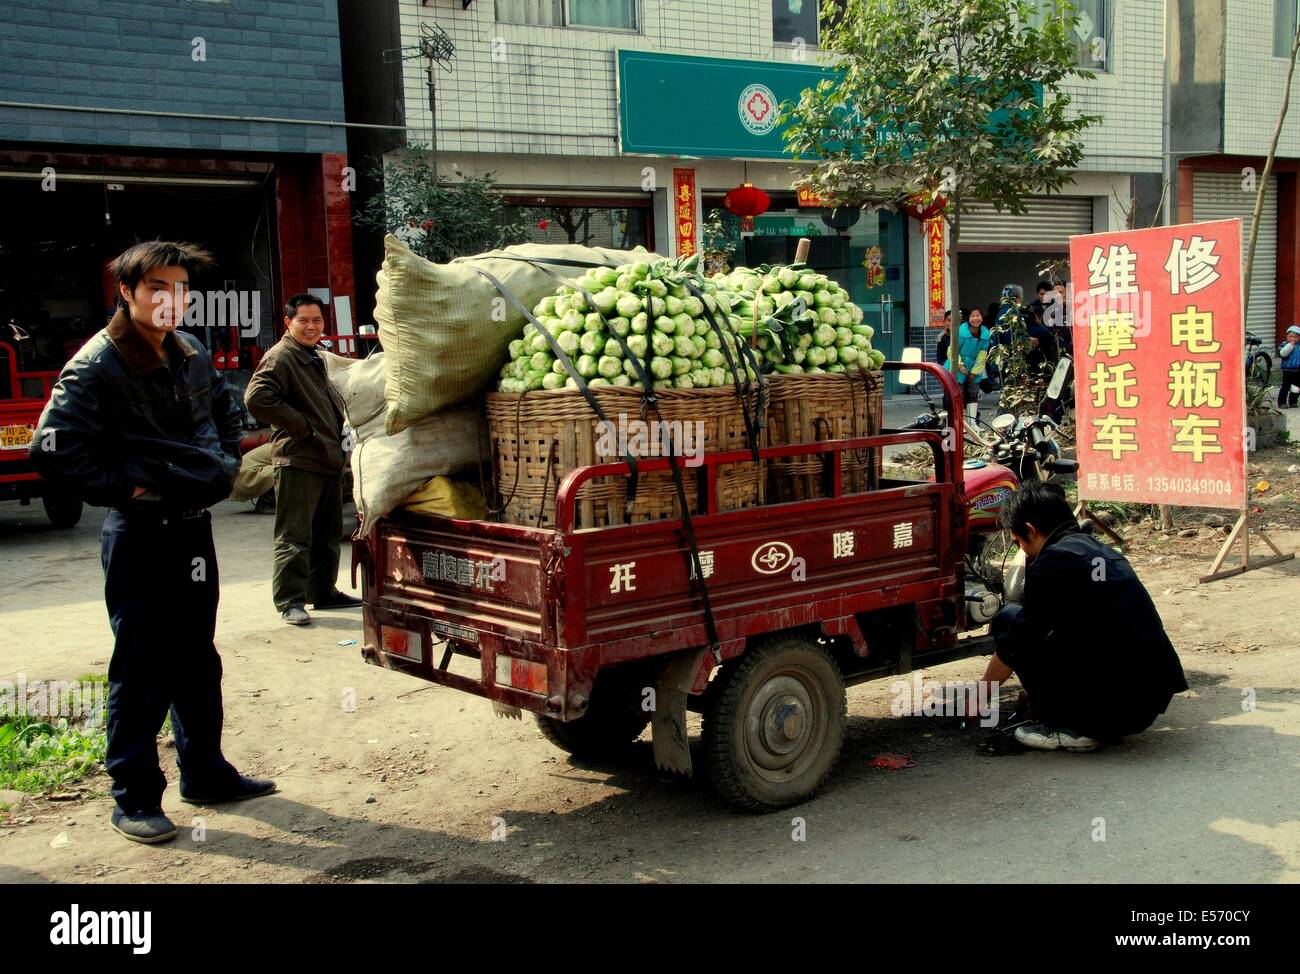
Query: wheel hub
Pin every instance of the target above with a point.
(784, 722)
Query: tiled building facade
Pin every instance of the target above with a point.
(216, 121)
(535, 96)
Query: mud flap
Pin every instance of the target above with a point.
(507, 710)
(668, 724)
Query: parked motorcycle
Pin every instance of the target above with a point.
(1012, 449)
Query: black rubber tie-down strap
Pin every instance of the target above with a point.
(647, 382)
(633, 472)
(697, 569)
(648, 399)
(760, 409)
(558, 261)
(742, 389)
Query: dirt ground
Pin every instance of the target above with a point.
(412, 785)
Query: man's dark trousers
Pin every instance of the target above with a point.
(161, 588)
(308, 525)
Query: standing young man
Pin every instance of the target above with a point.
(290, 391)
(141, 423)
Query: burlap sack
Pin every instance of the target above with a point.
(443, 327)
(386, 469)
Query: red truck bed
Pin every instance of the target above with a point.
(578, 601)
(602, 631)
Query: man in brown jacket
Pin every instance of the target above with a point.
(290, 391)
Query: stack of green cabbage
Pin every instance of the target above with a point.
(806, 323)
(646, 304)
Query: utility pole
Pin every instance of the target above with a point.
(436, 48)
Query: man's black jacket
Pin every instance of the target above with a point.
(120, 417)
(1084, 604)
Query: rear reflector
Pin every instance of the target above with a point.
(402, 642)
(521, 674)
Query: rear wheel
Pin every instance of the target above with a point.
(63, 510)
(775, 723)
(614, 719)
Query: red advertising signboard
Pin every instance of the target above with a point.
(1159, 368)
(684, 211)
(934, 260)
(808, 197)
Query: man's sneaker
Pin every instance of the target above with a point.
(1045, 738)
(147, 827)
(295, 615)
(339, 600)
(234, 791)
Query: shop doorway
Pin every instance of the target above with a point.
(55, 246)
(869, 260)
(616, 224)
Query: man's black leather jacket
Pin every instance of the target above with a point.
(121, 418)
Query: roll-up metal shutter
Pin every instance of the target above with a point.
(1048, 225)
(1220, 196)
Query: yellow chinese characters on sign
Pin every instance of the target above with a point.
(1160, 392)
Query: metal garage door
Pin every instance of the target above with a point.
(1048, 225)
(1219, 196)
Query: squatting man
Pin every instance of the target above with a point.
(1085, 619)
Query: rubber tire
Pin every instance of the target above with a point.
(729, 764)
(613, 721)
(62, 510)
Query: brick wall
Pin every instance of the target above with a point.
(263, 58)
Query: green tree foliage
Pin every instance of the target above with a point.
(960, 98)
(440, 221)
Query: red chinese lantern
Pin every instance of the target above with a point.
(922, 207)
(746, 201)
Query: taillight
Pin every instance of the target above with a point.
(521, 674)
(401, 642)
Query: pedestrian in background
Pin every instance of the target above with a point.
(969, 361)
(291, 392)
(141, 423)
(941, 346)
(1288, 394)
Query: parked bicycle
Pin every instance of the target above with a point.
(1259, 364)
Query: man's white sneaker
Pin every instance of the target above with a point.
(1045, 738)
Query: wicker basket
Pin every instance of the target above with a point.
(540, 436)
(812, 408)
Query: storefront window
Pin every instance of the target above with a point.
(867, 259)
(619, 227)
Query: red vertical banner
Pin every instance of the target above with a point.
(934, 267)
(684, 205)
(1159, 369)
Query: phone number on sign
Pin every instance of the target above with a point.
(1189, 485)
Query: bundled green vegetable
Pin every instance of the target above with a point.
(650, 307)
(805, 322)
